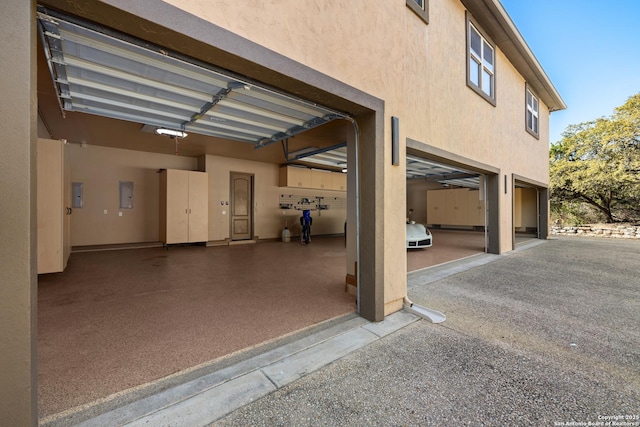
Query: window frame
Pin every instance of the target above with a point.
(484, 39)
(527, 91)
(422, 12)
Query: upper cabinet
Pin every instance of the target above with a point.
(339, 181)
(297, 177)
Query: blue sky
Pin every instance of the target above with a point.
(590, 50)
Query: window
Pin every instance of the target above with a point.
(531, 113)
(420, 8)
(481, 64)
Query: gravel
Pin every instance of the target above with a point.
(542, 336)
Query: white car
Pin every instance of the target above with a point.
(418, 236)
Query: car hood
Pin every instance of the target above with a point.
(417, 230)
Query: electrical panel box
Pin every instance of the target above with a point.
(126, 195)
(76, 195)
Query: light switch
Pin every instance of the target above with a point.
(119, 213)
(224, 212)
(105, 211)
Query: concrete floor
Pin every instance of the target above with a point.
(117, 319)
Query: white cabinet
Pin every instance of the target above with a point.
(476, 208)
(459, 206)
(53, 209)
(184, 206)
(437, 203)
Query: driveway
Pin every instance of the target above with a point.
(544, 336)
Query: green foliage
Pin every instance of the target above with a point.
(598, 163)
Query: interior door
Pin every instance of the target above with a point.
(241, 206)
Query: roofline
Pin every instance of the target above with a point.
(496, 22)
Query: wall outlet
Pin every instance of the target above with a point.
(105, 211)
(119, 213)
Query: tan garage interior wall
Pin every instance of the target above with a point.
(269, 219)
(100, 169)
(525, 209)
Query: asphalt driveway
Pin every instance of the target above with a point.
(544, 336)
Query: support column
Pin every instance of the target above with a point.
(371, 202)
(493, 196)
(352, 220)
(18, 289)
(543, 212)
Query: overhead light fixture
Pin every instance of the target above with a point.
(171, 132)
(344, 170)
(238, 85)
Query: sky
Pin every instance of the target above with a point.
(590, 49)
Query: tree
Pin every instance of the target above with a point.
(598, 163)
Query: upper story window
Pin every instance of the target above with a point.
(481, 75)
(420, 8)
(531, 113)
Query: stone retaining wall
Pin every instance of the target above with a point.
(619, 231)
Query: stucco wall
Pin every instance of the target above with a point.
(419, 71)
(18, 256)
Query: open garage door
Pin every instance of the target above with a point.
(129, 109)
(451, 201)
(529, 211)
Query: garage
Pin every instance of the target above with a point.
(129, 311)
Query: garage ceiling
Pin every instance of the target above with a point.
(98, 71)
(417, 167)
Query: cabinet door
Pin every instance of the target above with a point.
(339, 181)
(177, 206)
(460, 205)
(298, 177)
(436, 207)
(50, 215)
(198, 207)
(321, 180)
(66, 227)
(476, 209)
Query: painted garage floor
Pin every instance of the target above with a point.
(115, 320)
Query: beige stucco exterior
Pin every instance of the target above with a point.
(419, 71)
(371, 60)
(18, 255)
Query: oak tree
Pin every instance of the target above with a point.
(598, 163)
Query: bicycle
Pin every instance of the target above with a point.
(305, 223)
